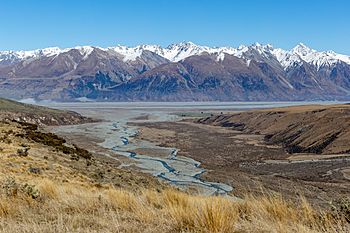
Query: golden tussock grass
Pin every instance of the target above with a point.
(66, 207)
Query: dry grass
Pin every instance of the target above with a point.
(65, 207)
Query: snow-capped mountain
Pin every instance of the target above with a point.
(173, 53)
(180, 51)
(302, 53)
(10, 57)
(183, 71)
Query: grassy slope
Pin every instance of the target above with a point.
(87, 195)
(13, 106)
(10, 109)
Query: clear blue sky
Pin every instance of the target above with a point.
(31, 24)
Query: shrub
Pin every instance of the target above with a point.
(35, 170)
(10, 187)
(30, 190)
(22, 152)
(50, 139)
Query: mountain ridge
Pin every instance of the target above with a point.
(175, 52)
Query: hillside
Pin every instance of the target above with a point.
(13, 110)
(302, 129)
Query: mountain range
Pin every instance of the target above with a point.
(179, 72)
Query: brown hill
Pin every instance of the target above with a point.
(303, 129)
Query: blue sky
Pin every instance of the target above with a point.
(31, 24)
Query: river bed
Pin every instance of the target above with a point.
(118, 136)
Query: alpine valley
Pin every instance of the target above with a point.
(179, 72)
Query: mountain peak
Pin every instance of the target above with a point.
(256, 44)
(302, 49)
(183, 44)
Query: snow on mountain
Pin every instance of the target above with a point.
(177, 52)
(261, 49)
(12, 56)
(84, 50)
(287, 59)
(255, 51)
(319, 59)
(128, 53)
(174, 52)
(46, 52)
(302, 53)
